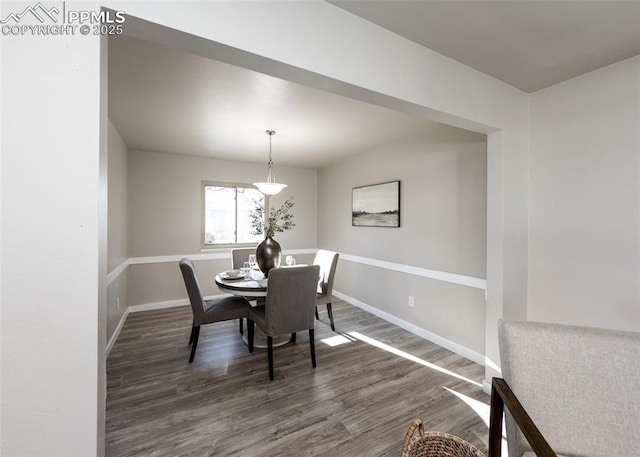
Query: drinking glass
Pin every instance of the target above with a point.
(290, 260)
(246, 267)
(252, 260)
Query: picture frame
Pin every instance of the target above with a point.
(376, 205)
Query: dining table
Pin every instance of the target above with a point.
(252, 284)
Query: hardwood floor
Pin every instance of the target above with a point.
(359, 401)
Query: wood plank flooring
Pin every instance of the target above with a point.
(359, 401)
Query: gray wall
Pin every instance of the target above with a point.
(443, 227)
(117, 251)
(165, 220)
(584, 232)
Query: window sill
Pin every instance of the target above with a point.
(225, 247)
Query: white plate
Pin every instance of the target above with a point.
(233, 274)
(227, 278)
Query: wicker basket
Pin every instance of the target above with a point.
(435, 444)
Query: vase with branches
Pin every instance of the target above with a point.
(269, 252)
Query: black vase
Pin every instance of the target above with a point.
(268, 255)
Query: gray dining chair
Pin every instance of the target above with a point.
(212, 310)
(241, 255)
(238, 257)
(328, 262)
(289, 306)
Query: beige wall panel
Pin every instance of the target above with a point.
(449, 310)
(165, 201)
(161, 282)
(443, 206)
(117, 195)
(117, 289)
(117, 231)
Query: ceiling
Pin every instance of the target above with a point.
(527, 44)
(165, 100)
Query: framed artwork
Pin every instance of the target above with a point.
(377, 205)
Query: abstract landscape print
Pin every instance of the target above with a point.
(377, 205)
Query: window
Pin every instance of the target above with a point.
(226, 213)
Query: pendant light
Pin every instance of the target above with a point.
(271, 187)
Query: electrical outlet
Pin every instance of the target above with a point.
(117, 302)
(412, 302)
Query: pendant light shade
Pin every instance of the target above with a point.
(270, 187)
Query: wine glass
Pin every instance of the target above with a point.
(290, 261)
(246, 267)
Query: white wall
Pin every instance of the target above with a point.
(52, 348)
(585, 200)
(443, 228)
(164, 194)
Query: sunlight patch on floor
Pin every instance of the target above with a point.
(483, 411)
(336, 340)
(410, 357)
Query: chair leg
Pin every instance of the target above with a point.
(250, 331)
(293, 338)
(317, 317)
(312, 346)
(193, 331)
(194, 345)
(270, 356)
(330, 313)
(241, 326)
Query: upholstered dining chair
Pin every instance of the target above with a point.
(241, 255)
(209, 311)
(238, 257)
(579, 385)
(328, 262)
(289, 306)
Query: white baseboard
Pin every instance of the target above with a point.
(436, 339)
(167, 304)
(116, 333)
(158, 305)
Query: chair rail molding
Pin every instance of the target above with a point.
(455, 278)
(219, 254)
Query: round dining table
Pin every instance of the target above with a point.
(254, 285)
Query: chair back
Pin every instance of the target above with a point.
(328, 262)
(193, 288)
(291, 299)
(580, 385)
(240, 256)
